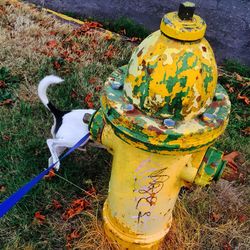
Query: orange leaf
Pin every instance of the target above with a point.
(242, 218)
(52, 44)
(216, 217)
(92, 80)
(76, 207)
(244, 98)
(74, 235)
(110, 52)
(98, 88)
(226, 246)
(50, 175)
(230, 89)
(68, 246)
(57, 65)
(39, 216)
(56, 204)
(230, 160)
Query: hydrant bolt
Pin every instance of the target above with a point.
(116, 85)
(169, 123)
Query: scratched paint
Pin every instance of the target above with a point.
(165, 79)
(170, 79)
(148, 133)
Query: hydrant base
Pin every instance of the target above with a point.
(128, 240)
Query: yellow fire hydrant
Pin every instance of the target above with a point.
(159, 116)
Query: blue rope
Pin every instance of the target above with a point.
(14, 198)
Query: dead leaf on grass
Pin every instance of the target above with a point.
(6, 102)
(230, 160)
(216, 217)
(238, 77)
(244, 98)
(39, 217)
(230, 89)
(50, 175)
(6, 137)
(2, 84)
(52, 44)
(76, 207)
(56, 204)
(246, 131)
(74, 235)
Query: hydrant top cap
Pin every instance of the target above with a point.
(183, 25)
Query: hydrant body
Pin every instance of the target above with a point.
(159, 116)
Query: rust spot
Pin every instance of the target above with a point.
(198, 98)
(139, 53)
(205, 159)
(158, 131)
(197, 78)
(204, 48)
(149, 70)
(134, 112)
(143, 63)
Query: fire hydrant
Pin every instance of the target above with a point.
(159, 115)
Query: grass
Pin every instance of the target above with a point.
(34, 45)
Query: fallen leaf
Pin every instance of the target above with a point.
(87, 100)
(6, 102)
(110, 52)
(52, 44)
(238, 77)
(56, 65)
(226, 246)
(2, 188)
(246, 131)
(74, 235)
(76, 207)
(230, 160)
(215, 217)
(244, 98)
(230, 89)
(2, 84)
(98, 88)
(93, 80)
(39, 217)
(242, 218)
(68, 246)
(6, 137)
(73, 94)
(50, 175)
(56, 204)
(134, 39)
(91, 191)
(53, 33)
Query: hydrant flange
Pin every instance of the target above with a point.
(149, 133)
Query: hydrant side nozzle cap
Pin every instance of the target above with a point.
(183, 25)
